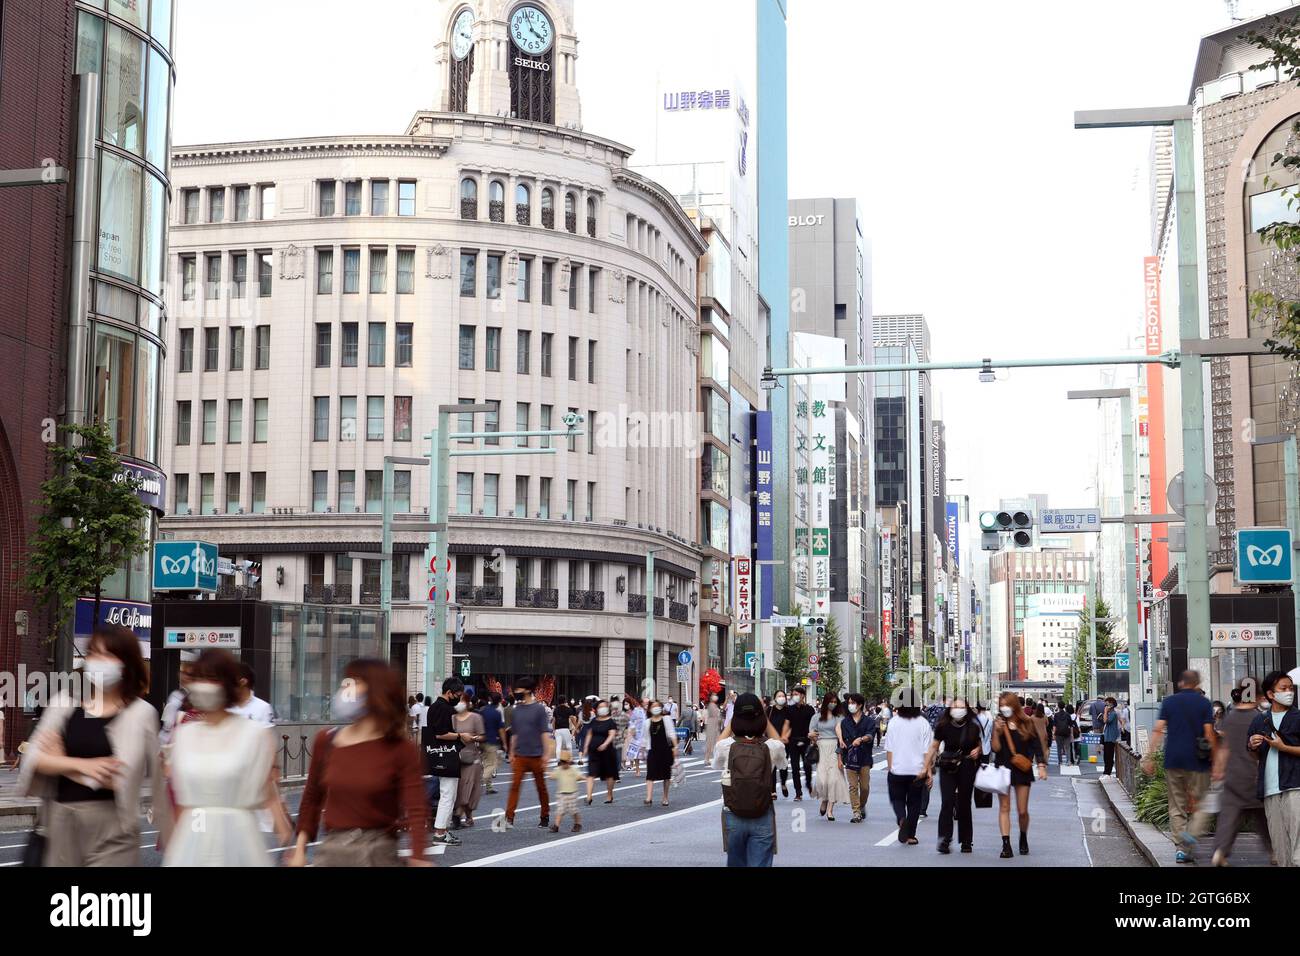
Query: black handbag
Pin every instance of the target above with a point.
(949, 760)
(983, 798)
(811, 753)
(34, 855)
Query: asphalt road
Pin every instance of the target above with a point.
(1070, 826)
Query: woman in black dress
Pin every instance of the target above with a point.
(661, 750)
(599, 748)
(1014, 734)
(958, 733)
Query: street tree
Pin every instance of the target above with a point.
(830, 663)
(792, 658)
(92, 522)
(1108, 642)
(875, 670)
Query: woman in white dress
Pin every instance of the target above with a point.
(222, 771)
(832, 788)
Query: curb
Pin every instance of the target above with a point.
(1150, 841)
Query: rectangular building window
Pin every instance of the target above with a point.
(259, 492)
(319, 492)
(374, 492)
(521, 496)
(347, 492)
(261, 420)
(494, 277)
(181, 503)
(573, 358)
(186, 359)
(467, 346)
(401, 418)
(548, 283)
(351, 344)
(324, 341)
(573, 439)
(267, 205)
(593, 283)
(189, 277)
(591, 504)
(591, 361)
(377, 345)
(236, 350)
(523, 345)
(347, 418)
(234, 421)
(523, 411)
(351, 271)
(464, 492)
(191, 205)
(352, 198)
(575, 276)
(207, 494)
(320, 429)
(491, 484)
(232, 492)
(379, 197)
(263, 274)
(546, 354)
(375, 418)
(544, 497)
(546, 425)
(590, 428)
(324, 271)
(217, 205)
(468, 273)
(492, 421)
(242, 203)
(571, 500)
(465, 420)
(378, 271)
(183, 416)
(211, 349)
(212, 277)
(492, 356)
(401, 503)
(263, 349)
(238, 274)
(404, 345)
(406, 198)
(525, 272)
(327, 190)
(405, 271)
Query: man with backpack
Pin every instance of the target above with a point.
(1063, 730)
(747, 758)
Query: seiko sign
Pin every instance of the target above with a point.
(807, 220)
(532, 64)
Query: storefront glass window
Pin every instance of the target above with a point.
(155, 148)
(123, 119)
(114, 381)
(119, 217)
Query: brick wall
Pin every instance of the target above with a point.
(37, 120)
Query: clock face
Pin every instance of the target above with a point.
(531, 30)
(462, 38)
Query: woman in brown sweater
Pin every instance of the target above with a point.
(365, 779)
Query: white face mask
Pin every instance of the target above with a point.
(602, 711)
(853, 708)
(780, 702)
(656, 711)
(1284, 697)
(103, 674)
(348, 707)
(958, 713)
(1005, 711)
(797, 699)
(462, 707)
(207, 696)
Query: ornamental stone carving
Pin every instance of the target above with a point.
(438, 265)
(617, 286)
(512, 267)
(566, 266)
(291, 262)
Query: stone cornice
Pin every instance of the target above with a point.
(264, 151)
(626, 177)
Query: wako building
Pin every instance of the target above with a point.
(333, 292)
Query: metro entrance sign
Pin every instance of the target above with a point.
(1264, 556)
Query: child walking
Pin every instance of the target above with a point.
(565, 776)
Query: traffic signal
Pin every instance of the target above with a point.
(1018, 524)
(815, 626)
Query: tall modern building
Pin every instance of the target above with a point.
(1015, 577)
(335, 291)
(82, 318)
(830, 282)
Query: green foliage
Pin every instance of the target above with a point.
(91, 522)
(875, 671)
(1268, 305)
(792, 658)
(830, 660)
(1152, 798)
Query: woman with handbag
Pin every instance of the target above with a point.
(469, 725)
(365, 779)
(958, 732)
(601, 752)
(660, 745)
(1016, 748)
(832, 788)
(87, 760)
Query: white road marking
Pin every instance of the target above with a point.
(892, 838)
(590, 835)
(1069, 772)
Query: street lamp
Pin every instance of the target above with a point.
(650, 621)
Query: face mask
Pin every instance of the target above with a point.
(1284, 697)
(519, 698)
(656, 711)
(853, 708)
(207, 696)
(958, 713)
(103, 674)
(602, 711)
(462, 707)
(1264, 705)
(780, 702)
(1005, 711)
(348, 707)
(797, 699)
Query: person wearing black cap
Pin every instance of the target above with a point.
(747, 754)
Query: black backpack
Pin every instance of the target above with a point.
(749, 767)
(1062, 722)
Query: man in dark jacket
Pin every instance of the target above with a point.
(442, 756)
(1275, 739)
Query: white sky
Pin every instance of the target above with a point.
(949, 121)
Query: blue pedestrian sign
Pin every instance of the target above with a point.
(1264, 556)
(184, 566)
(1121, 662)
(684, 658)
(750, 658)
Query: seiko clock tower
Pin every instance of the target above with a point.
(514, 58)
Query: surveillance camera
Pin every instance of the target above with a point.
(572, 420)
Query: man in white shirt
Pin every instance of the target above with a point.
(673, 712)
(247, 704)
(907, 741)
(171, 714)
(416, 714)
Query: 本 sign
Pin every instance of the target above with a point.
(1069, 520)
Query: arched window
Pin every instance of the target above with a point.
(468, 198)
(571, 212)
(548, 208)
(523, 205)
(591, 216)
(496, 201)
